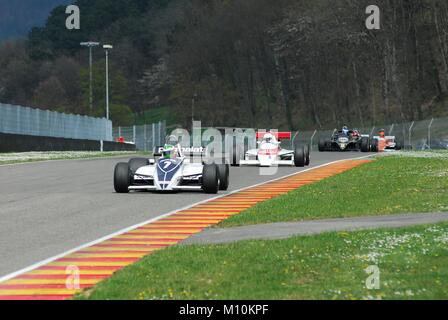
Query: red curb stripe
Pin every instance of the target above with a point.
(97, 260)
(38, 286)
(133, 245)
(81, 268)
(60, 276)
(143, 240)
(137, 238)
(111, 251)
(36, 297)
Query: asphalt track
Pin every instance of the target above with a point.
(51, 207)
(284, 230)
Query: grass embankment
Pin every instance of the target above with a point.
(413, 264)
(389, 185)
(13, 158)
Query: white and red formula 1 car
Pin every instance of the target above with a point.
(270, 153)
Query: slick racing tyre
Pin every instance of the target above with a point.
(307, 155)
(224, 172)
(137, 163)
(322, 145)
(236, 156)
(122, 178)
(398, 145)
(365, 144)
(374, 145)
(210, 179)
(299, 156)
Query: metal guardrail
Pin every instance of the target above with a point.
(145, 137)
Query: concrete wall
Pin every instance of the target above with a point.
(25, 143)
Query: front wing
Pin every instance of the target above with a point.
(155, 188)
(275, 163)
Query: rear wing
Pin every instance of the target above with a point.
(278, 135)
(386, 137)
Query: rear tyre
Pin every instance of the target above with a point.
(398, 146)
(122, 178)
(322, 145)
(299, 156)
(307, 155)
(365, 144)
(236, 156)
(374, 145)
(137, 163)
(210, 179)
(224, 172)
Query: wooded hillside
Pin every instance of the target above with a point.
(284, 64)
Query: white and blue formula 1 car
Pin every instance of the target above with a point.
(270, 153)
(173, 171)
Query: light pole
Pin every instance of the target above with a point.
(193, 102)
(106, 48)
(90, 45)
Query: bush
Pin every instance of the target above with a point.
(121, 115)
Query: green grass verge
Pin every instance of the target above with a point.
(27, 157)
(413, 264)
(388, 185)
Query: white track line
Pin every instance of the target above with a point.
(118, 233)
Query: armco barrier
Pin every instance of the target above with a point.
(145, 137)
(24, 143)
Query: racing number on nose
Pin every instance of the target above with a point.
(167, 165)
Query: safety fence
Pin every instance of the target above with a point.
(145, 137)
(416, 135)
(35, 122)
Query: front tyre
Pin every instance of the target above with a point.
(122, 178)
(299, 156)
(137, 163)
(224, 173)
(365, 144)
(210, 179)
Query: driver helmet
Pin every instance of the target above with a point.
(382, 133)
(269, 138)
(172, 140)
(170, 148)
(345, 130)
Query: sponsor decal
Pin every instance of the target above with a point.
(268, 152)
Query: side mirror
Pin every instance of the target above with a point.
(158, 151)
